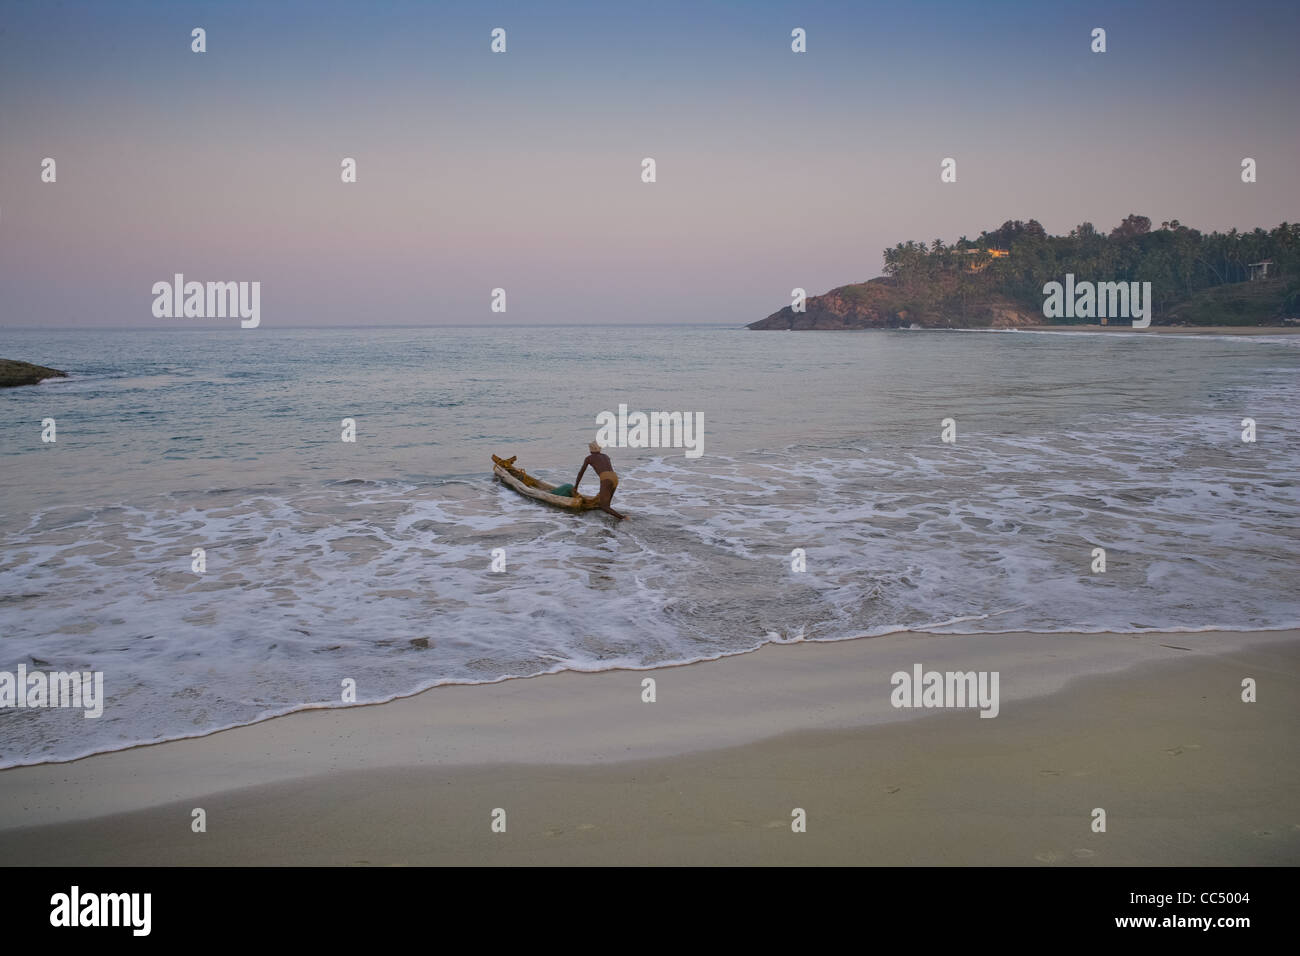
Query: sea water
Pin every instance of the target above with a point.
(329, 561)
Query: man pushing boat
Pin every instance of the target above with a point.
(604, 468)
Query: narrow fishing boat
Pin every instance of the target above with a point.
(524, 483)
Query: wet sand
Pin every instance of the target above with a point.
(1150, 728)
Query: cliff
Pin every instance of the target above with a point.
(885, 304)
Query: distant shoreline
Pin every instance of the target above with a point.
(1172, 329)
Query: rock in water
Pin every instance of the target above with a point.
(14, 373)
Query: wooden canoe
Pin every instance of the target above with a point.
(524, 483)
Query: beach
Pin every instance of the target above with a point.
(1149, 727)
(392, 479)
(1100, 536)
(1172, 329)
(398, 561)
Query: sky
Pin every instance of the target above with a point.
(522, 170)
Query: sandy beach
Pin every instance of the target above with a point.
(1173, 329)
(1151, 728)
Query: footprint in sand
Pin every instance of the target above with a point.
(1048, 856)
(892, 789)
(1082, 854)
(1174, 751)
(1049, 773)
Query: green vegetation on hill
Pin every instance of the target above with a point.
(1178, 261)
(1263, 302)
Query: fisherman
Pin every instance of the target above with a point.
(602, 466)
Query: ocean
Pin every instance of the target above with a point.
(371, 561)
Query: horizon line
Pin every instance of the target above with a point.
(454, 325)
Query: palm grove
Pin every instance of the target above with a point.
(1196, 278)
